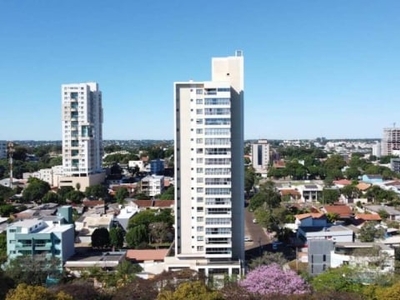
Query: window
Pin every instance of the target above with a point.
(200, 248)
(199, 160)
(200, 190)
(217, 101)
(199, 170)
(199, 91)
(199, 101)
(200, 228)
(199, 131)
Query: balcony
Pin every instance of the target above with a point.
(23, 246)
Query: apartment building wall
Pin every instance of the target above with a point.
(209, 172)
(82, 118)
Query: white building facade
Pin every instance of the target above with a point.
(152, 185)
(390, 141)
(260, 156)
(209, 172)
(82, 133)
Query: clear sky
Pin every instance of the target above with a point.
(312, 68)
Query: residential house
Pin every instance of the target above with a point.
(363, 187)
(342, 211)
(374, 257)
(310, 192)
(151, 260)
(394, 214)
(152, 185)
(311, 220)
(335, 233)
(372, 178)
(360, 219)
(342, 183)
(86, 224)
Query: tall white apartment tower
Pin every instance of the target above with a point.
(260, 156)
(209, 168)
(390, 141)
(82, 133)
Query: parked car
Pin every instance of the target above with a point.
(247, 239)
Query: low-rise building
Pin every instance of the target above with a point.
(152, 185)
(394, 214)
(48, 238)
(373, 256)
(86, 224)
(372, 178)
(335, 233)
(310, 192)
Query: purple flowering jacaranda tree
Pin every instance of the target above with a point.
(273, 280)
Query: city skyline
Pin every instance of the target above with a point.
(312, 69)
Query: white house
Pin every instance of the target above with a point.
(372, 256)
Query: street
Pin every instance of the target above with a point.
(260, 241)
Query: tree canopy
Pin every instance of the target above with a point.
(100, 238)
(35, 190)
(272, 280)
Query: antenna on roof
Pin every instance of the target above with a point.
(394, 125)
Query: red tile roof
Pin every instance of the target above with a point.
(342, 182)
(143, 203)
(92, 203)
(362, 186)
(368, 217)
(343, 211)
(291, 192)
(308, 215)
(163, 203)
(147, 254)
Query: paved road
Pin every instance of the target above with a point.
(256, 233)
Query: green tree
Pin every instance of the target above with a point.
(100, 238)
(266, 219)
(121, 194)
(29, 292)
(32, 270)
(116, 237)
(52, 197)
(35, 190)
(350, 191)
(5, 193)
(268, 258)
(168, 194)
(3, 247)
(192, 290)
(383, 214)
(330, 195)
(7, 209)
(369, 232)
(63, 191)
(352, 173)
(75, 196)
(159, 232)
(249, 179)
(338, 279)
(96, 191)
(137, 235)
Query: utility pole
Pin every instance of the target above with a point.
(10, 150)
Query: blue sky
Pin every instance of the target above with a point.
(312, 68)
